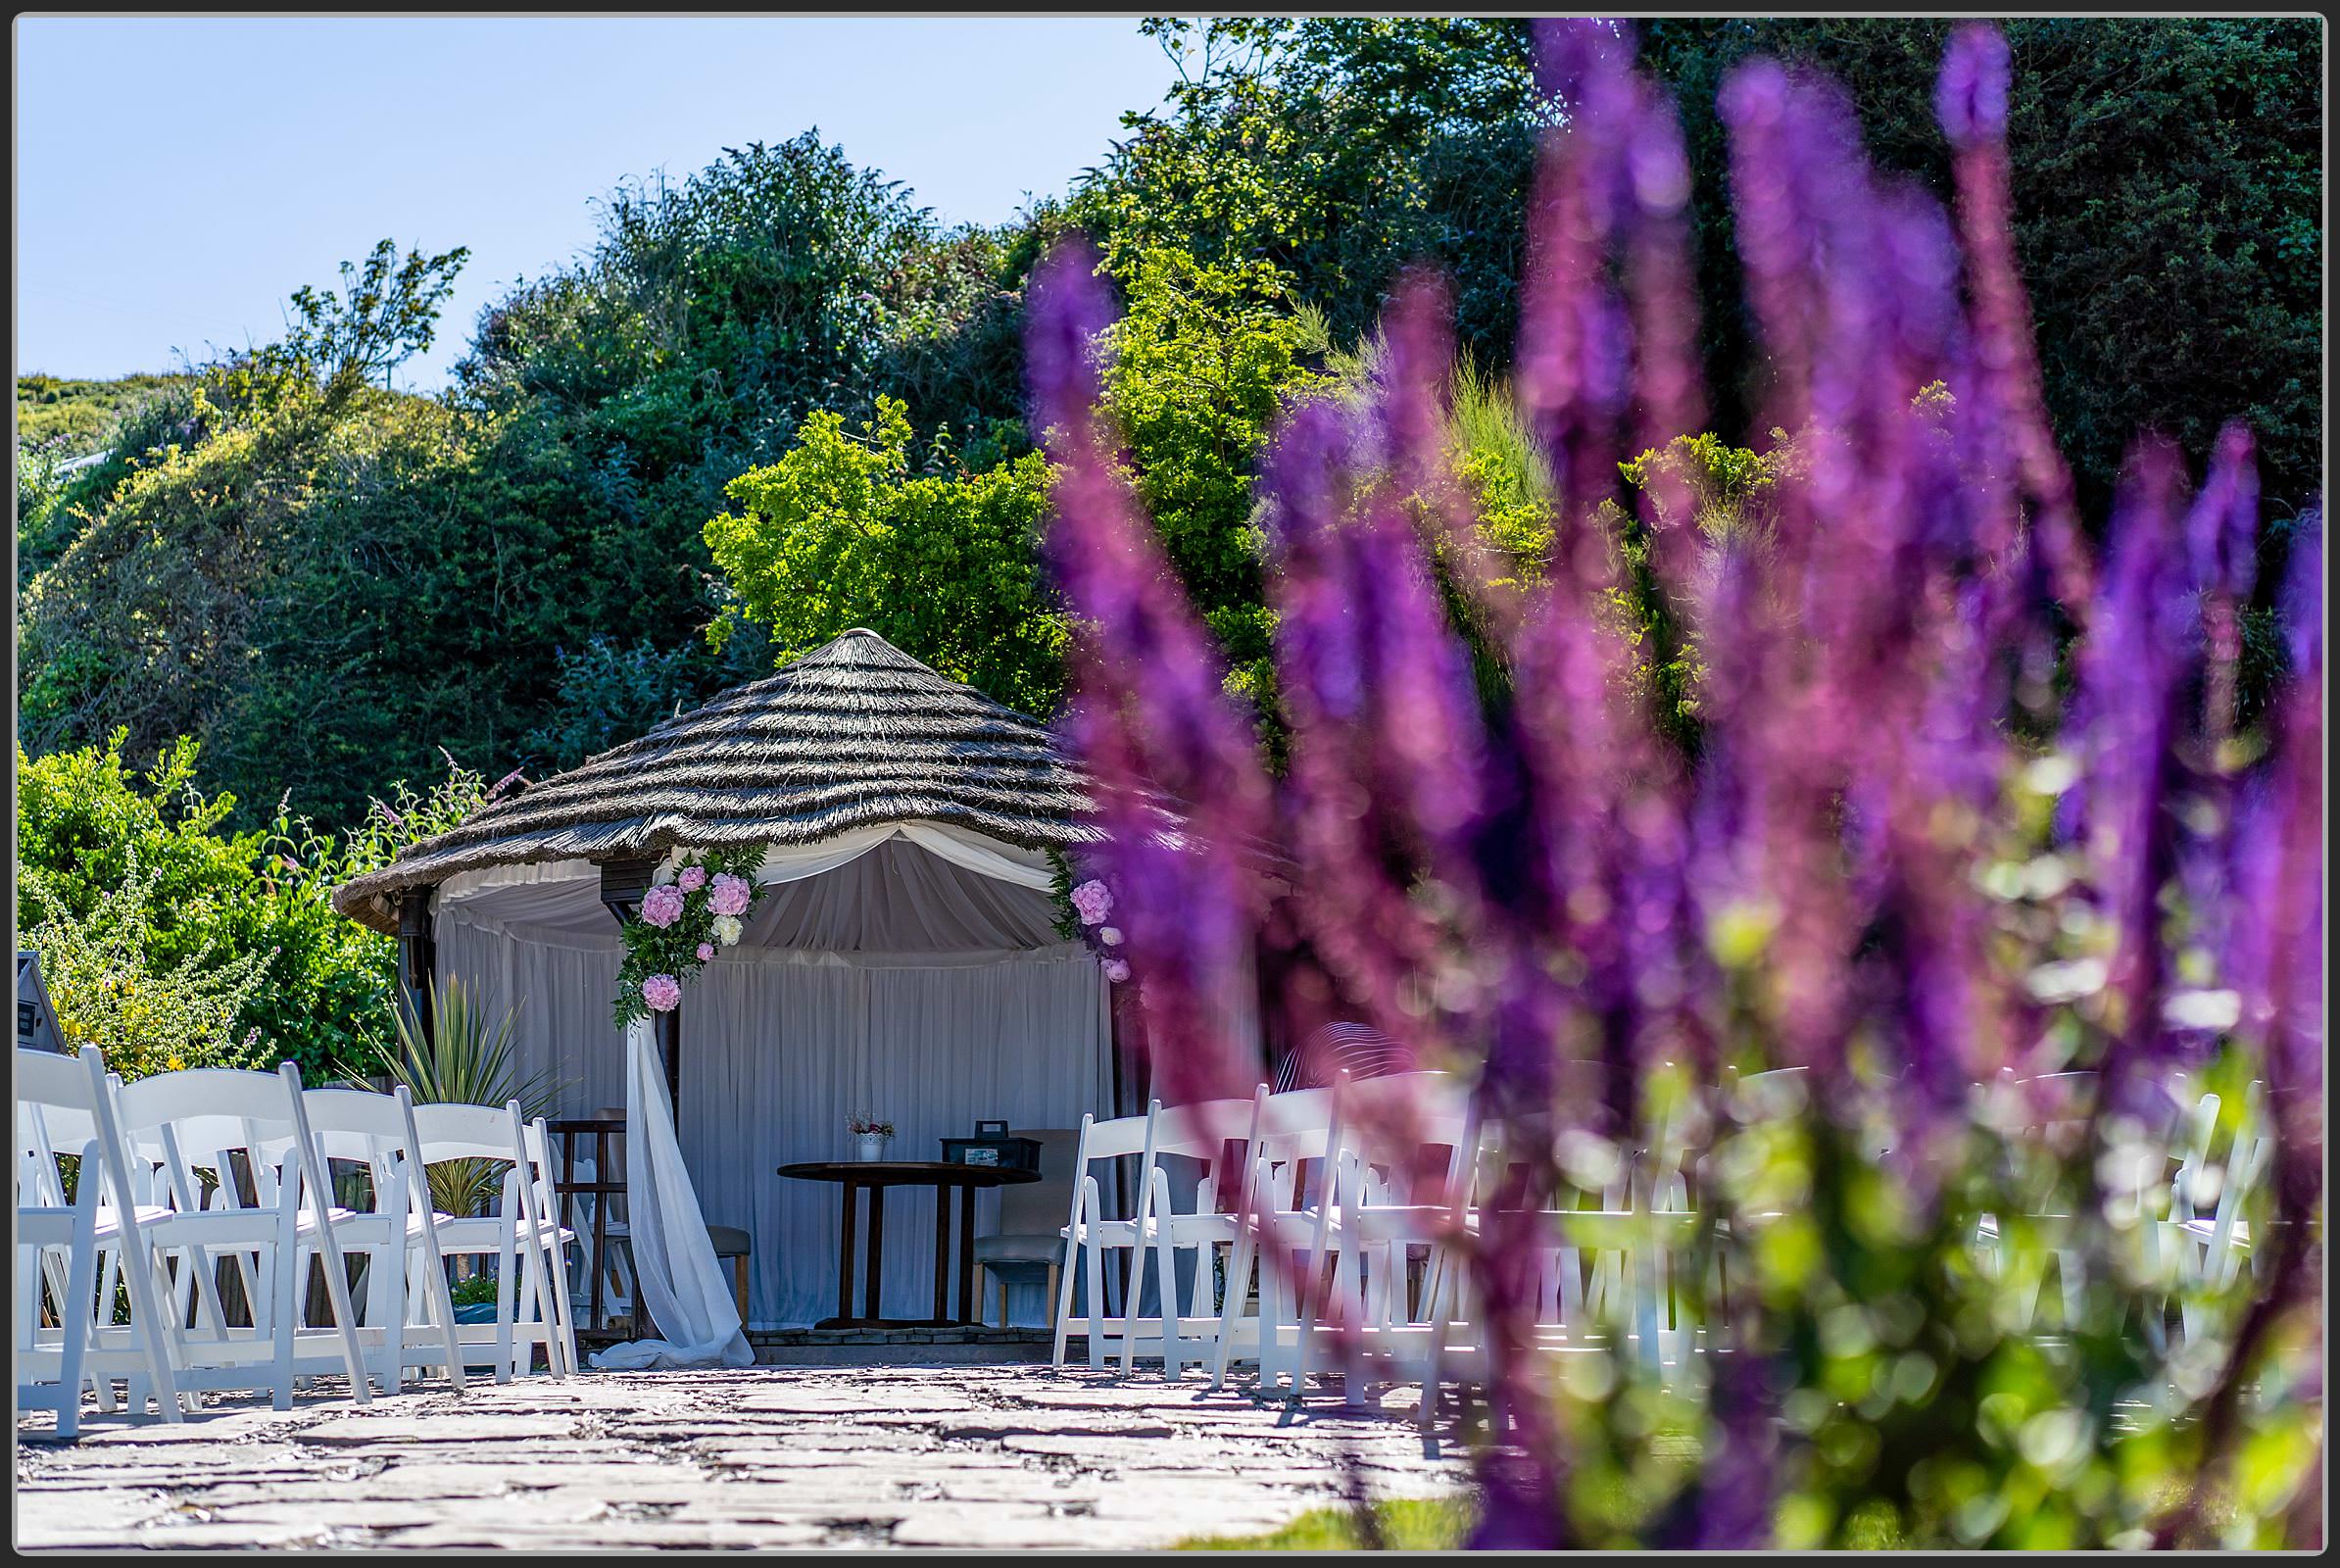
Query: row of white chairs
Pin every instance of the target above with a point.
(170, 1231)
(1366, 1226)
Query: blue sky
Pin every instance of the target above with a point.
(177, 177)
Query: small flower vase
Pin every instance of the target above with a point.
(869, 1146)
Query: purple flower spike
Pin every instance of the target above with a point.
(1970, 96)
(1777, 775)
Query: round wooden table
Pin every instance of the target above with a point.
(877, 1175)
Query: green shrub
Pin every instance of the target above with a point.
(138, 878)
(108, 990)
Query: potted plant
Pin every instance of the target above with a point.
(870, 1136)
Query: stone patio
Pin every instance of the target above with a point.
(972, 1457)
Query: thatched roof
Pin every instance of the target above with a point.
(854, 732)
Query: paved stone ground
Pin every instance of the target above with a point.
(970, 1457)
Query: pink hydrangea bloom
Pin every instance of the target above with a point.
(1093, 902)
(692, 879)
(662, 907)
(663, 992)
(728, 895)
(707, 950)
(1116, 970)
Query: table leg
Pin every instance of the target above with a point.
(872, 1290)
(968, 1308)
(942, 1253)
(845, 1256)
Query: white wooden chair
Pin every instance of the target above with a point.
(1620, 1255)
(1186, 1324)
(378, 1130)
(1090, 1233)
(1383, 1218)
(2209, 1196)
(2053, 1111)
(510, 1237)
(64, 1107)
(190, 1124)
(556, 1239)
(1276, 1217)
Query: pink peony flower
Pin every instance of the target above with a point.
(1116, 970)
(1093, 902)
(707, 950)
(663, 992)
(692, 879)
(729, 895)
(663, 905)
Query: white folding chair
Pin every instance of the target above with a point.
(378, 1130)
(1185, 1325)
(195, 1126)
(1275, 1228)
(2209, 1201)
(509, 1236)
(1382, 1220)
(1628, 1247)
(556, 1239)
(2051, 1112)
(64, 1107)
(1090, 1233)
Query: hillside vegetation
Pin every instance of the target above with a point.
(777, 397)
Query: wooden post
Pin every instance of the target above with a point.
(624, 882)
(417, 955)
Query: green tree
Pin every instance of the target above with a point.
(1199, 369)
(2168, 198)
(1338, 150)
(2167, 179)
(941, 560)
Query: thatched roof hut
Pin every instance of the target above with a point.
(902, 957)
(854, 732)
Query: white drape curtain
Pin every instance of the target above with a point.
(675, 1266)
(779, 1047)
(908, 970)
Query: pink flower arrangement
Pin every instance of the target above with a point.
(729, 895)
(1093, 902)
(662, 906)
(688, 915)
(1116, 970)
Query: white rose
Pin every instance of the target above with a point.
(727, 929)
(1110, 936)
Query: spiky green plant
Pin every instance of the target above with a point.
(464, 1058)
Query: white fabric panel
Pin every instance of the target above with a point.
(675, 1262)
(553, 879)
(961, 847)
(986, 856)
(776, 1054)
(898, 898)
(562, 990)
(897, 980)
(768, 1049)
